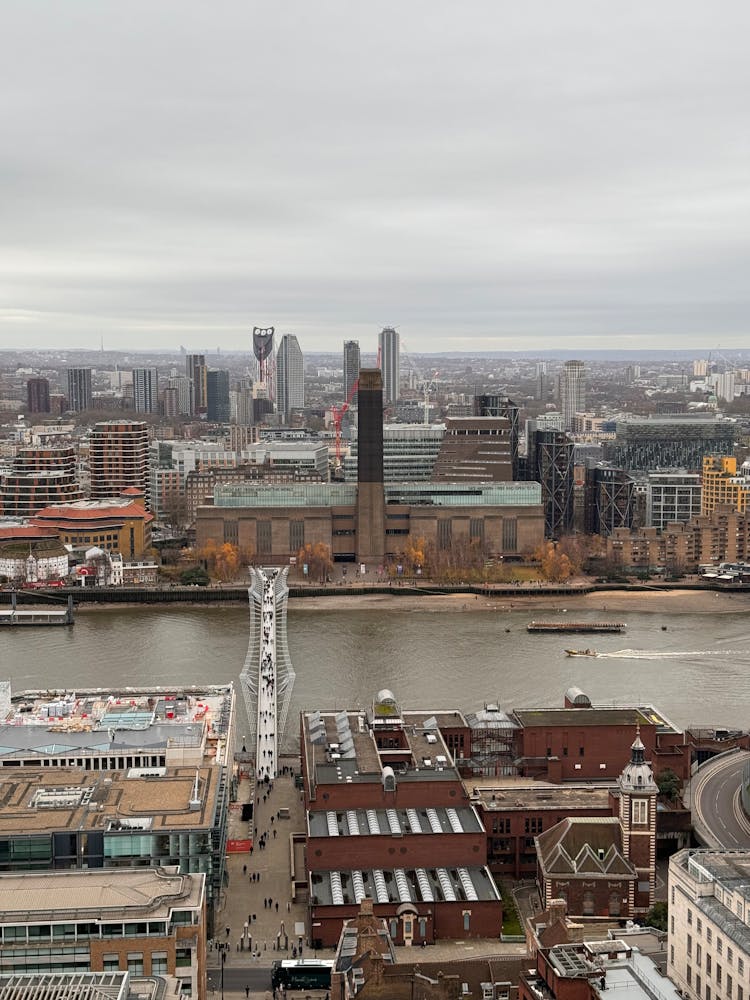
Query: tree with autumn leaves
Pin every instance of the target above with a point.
(317, 557)
(223, 562)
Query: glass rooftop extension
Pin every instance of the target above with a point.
(345, 494)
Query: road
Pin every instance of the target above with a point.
(718, 817)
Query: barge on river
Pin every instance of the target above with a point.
(575, 627)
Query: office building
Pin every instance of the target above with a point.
(389, 343)
(145, 390)
(709, 936)
(118, 459)
(649, 444)
(290, 377)
(672, 496)
(572, 391)
(197, 371)
(475, 450)
(540, 381)
(409, 453)
(37, 478)
(723, 485)
(79, 389)
(351, 370)
(142, 921)
(217, 396)
(37, 395)
(241, 402)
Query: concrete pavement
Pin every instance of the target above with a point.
(718, 817)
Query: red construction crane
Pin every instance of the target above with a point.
(337, 415)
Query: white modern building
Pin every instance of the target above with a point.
(409, 453)
(572, 391)
(709, 923)
(672, 496)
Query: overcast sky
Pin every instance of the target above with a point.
(483, 176)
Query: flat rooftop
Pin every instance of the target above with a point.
(594, 716)
(79, 723)
(539, 797)
(341, 748)
(102, 892)
(56, 799)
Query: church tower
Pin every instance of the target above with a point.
(638, 794)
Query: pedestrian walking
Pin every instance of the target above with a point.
(247, 991)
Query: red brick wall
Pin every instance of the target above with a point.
(410, 851)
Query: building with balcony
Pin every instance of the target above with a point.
(39, 477)
(672, 496)
(119, 459)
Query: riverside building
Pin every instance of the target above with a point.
(372, 520)
(38, 477)
(119, 459)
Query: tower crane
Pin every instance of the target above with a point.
(425, 385)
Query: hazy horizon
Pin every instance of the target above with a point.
(487, 178)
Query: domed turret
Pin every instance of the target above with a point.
(637, 775)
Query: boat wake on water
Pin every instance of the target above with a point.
(666, 654)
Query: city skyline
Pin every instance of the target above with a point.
(504, 181)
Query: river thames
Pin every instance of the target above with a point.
(697, 671)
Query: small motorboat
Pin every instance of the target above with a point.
(581, 652)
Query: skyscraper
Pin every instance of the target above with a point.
(572, 391)
(118, 459)
(37, 395)
(351, 369)
(79, 389)
(182, 397)
(290, 377)
(146, 390)
(195, 365)
(390, 365)
(217, 395)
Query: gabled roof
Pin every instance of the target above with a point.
(584, 846)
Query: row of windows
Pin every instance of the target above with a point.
(730, 991)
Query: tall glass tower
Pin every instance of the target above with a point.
(290, 377)
(351, 368)
(390, 345)
(79, 389)
(146, 390)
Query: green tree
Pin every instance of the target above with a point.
(194, 575)
(658, 916)
(669, 784)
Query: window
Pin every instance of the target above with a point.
(698, 953)
(690, 917)
(671, 925)
(467, 920)
(708, 965)
(135, 963)
(689, 973)
(709, 932)
(159, 963)
(730, 955)
(672, 894)
(110, 963)
(689, 942)
(671, 954)
(729, 986)
(718, 974)
(699, 925)
(740, 993)
(698, 985)
(639, 817)
(719, 945)
(740, 966)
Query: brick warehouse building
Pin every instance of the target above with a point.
(389, 818)
(370, 520)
